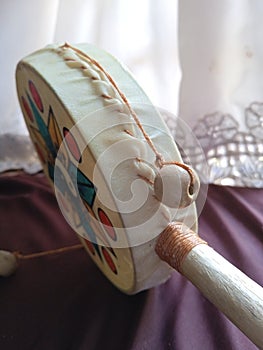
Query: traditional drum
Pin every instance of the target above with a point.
(120, 181)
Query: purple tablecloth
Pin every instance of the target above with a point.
(64, 302)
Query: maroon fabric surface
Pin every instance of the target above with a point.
(64, 302)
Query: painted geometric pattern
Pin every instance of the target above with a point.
(47, 137)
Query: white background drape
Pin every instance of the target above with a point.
(141, 33)
(201, 60)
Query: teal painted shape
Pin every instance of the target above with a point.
(86, 188)
(42, 128)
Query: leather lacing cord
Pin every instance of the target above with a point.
(21, 256)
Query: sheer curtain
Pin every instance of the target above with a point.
(137, 32)
(199, 60)
(221, 93)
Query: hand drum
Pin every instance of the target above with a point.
(120, 181)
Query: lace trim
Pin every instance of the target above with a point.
(233, 157)
(16, 153)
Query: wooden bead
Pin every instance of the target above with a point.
(172, 186)
(8, 263)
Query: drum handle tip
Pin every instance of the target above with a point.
(229, 289)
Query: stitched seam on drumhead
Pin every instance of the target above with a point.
(102, 78)
(97, 76)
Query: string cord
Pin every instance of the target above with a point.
(160, 161)
(21, 256)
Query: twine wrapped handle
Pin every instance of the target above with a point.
(229, 289)
(175, 242)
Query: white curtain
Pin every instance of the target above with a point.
(200, 60)
(138, 32)
(221, 92)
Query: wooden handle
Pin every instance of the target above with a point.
(229, 289)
